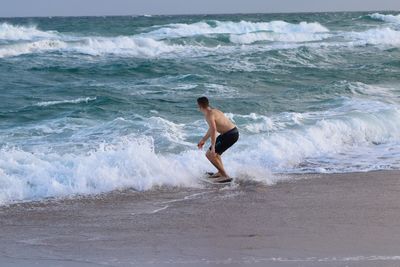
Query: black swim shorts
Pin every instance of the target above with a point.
(226, 140)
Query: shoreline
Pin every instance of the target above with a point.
(349, 219)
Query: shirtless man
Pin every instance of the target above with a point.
(229, 134)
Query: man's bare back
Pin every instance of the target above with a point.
(222, 123)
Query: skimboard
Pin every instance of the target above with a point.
(211, 180)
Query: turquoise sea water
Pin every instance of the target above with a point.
(91, 104)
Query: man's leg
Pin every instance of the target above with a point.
(218, 158)
(217, 162)
(222, 178)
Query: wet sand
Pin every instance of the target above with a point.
(315, 220)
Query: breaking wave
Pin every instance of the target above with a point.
(379, 36)
(229, 27)
(94, 46)
(161, 41)
(286, 142)
(31, 47)
(17, 32)
(386, 18)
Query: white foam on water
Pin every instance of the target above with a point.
(31, 47)
(230, 27)
(173, 132)
(100, 46)
(245, 37)
(19, 32)
(326, 141)
(124, 45)
(379, 36)
(31, 40)
(249, 38)
(387, 18)
(360, 135)
(130, 163)
(242, 261)
(256, 123)
(382, 93)
(72, 101)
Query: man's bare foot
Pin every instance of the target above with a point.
(223, 179)
(215, 175)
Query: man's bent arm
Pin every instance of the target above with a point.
(212, 130)
(208, 134)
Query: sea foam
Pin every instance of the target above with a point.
(386, 18)
(72, 101)
(124, 45)
(229, 27)
(129, 163)
(378, 36)
(19, 32)
(94, 46)
(160, 42)
(31, 47)
(289, 142)
(249, 38)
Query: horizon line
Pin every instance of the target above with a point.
(200, 14)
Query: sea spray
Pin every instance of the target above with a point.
(91, 105)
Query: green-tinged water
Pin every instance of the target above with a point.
(90, 104)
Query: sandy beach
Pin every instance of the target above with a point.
(316, 220)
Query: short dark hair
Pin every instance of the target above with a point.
(203, 102)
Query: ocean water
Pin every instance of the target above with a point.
(93, 104)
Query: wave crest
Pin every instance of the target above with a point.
(326, 141)
(31, 47)
(229, 27)
(386, 18)
(124, 45)
(129, 163)
(17, 32)
(379, 36)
